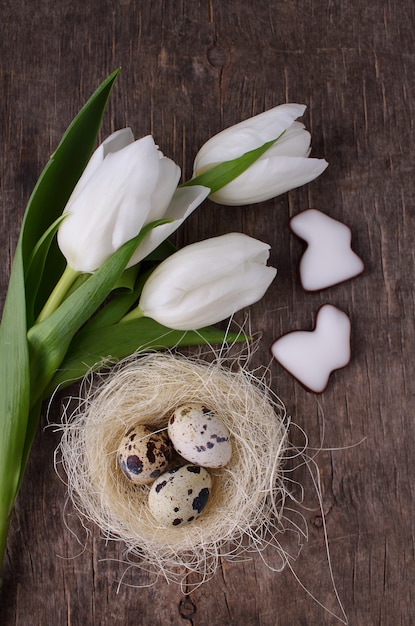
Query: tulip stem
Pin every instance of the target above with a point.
(58, 294)
(135, 314)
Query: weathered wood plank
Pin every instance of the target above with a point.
(190, 69)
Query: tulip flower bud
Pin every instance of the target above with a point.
(207, 282)
(284, 166)
(126, 185)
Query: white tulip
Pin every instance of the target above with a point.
(207, 282)
(126, 185)
(284, 166)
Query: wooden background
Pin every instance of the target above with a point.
(190, 69)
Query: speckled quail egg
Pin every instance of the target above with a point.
(143, 454)
(199, 436)
(178, 496)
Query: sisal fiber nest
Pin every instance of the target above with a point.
(247, 497)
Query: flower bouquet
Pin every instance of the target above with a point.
(94, 275)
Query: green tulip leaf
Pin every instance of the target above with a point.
(32, 424)
(14, 392)
(127, 280)
(164, 250)
(56, 184)
(38, 255)
(17, 422)
(50, 338)
(224, 173)
(36, 265)
(114, 310)
(89, 350)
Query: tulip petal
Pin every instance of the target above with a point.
(116, 141)
(208, 281)
(269, 177)
(185, 200)
(137, 175)
(223, 298)
(294, 142)
(169, 176)
(188, 267)
(113, 206)
(247, 135)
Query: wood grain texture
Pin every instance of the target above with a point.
(188, 70)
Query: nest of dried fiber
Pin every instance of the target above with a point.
(245, 505)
